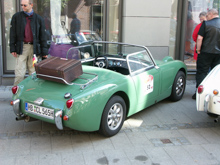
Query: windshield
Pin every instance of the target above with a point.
(116, 49)
(123, 58)
(139, 60)
(112, 50)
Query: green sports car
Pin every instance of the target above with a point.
(118, 81)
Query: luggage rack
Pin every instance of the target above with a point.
(82, 86)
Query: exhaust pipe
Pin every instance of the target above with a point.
(216, 119)
(25, 118)
(20, 118)
(29, 119)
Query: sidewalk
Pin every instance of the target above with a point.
(168, 133)
(5, 92)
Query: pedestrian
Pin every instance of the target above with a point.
(74, 28)
(208, 46)
(27, 37)
(75, 24)
(202, 17)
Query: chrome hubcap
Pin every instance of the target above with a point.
(115, 116)
(180, 86)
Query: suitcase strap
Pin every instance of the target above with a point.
(61, 66)
(49, 60)
(45, 62)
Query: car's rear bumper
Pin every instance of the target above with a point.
(207, 103)
(16, 107)
(211, 104)
(20, 115)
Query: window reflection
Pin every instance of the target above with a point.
(9, 10)
(195, 7)
(57, 15)
(173, 28)
(65, 18)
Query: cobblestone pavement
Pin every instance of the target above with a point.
(168, 133)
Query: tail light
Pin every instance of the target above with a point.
(200, 89)
(86, 33)
(215, 92)
(69, 103)
(15, 89)
(65, 118)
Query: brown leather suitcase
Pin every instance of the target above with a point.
(67, 69)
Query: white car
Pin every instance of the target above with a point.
(207, 95)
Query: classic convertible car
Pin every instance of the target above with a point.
(118, 81)
(207, 95)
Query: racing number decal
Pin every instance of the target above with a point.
(149, 84)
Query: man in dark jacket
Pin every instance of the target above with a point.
(75, 24)
(74, 27)
(27, 37)
(208, 46)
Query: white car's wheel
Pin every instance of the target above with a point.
(212, 115)
(113, 116)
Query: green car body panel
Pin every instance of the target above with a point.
(89, 103)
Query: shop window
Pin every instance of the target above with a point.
(9, 10)
(195, 7)
(173, 28)
(58, 17)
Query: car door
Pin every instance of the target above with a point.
(146, 78)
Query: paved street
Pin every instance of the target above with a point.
(168, 133)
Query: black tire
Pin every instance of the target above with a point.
(212, 115)
(179, 86)
(113, 116)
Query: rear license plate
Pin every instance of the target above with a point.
(40, 111)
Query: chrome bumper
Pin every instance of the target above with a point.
(58, 114)
(16, 107)
(58, 119)
(206, 103)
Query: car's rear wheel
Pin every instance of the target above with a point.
(179, 85)
(113, 116)
(212, 114)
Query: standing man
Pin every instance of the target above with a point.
(74, 27)
(202, 17)
(27, 37)
(75, 24)
(208, 46)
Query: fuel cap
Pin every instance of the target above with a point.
(67, 95)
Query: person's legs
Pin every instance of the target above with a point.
(20, 66)
(30, 65)
(203, 64)
(22, 62)
(215, 61)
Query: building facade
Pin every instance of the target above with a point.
(164, 26)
